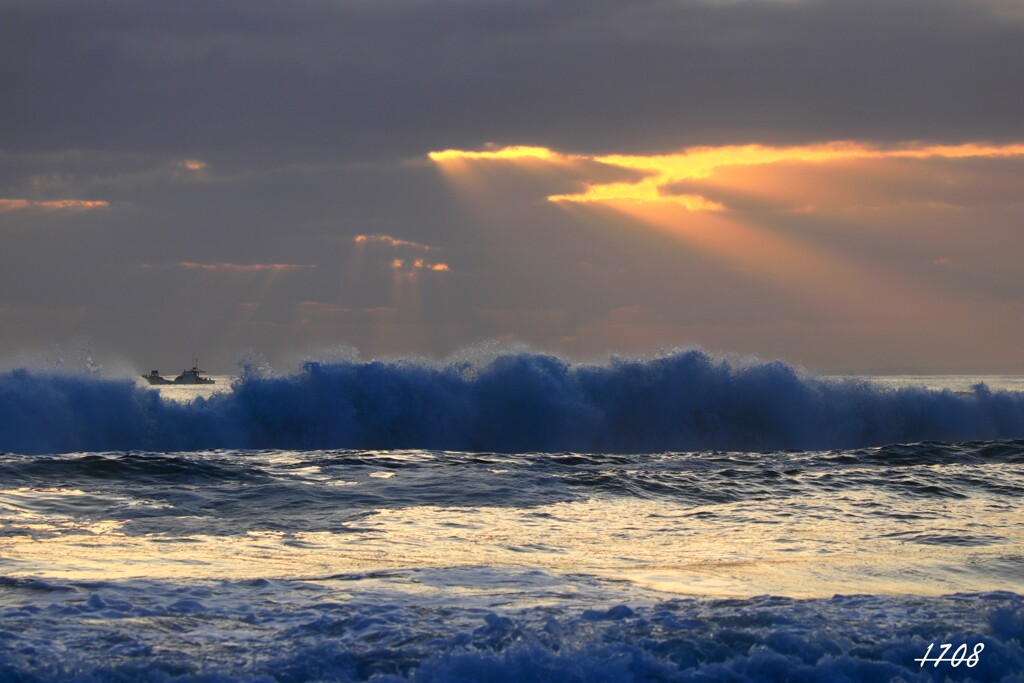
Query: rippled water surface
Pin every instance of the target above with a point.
(928, 518)
(346, 565)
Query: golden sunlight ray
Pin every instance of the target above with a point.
(657, 191)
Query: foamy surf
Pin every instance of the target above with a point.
(517, 402)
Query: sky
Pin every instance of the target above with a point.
(835, 183)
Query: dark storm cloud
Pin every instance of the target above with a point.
(323, 80)
(191, 177)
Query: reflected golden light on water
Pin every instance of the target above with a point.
(800, 547)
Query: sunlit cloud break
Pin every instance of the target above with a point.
(410, 265)
(192, 165)
(52, 204)
(513, 153)
(390, 241)
(661, 171)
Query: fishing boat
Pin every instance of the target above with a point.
(154, 378)
(191, 376)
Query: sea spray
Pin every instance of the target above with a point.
(515, 402)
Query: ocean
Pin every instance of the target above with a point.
(516, 518)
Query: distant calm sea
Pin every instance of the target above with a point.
(522, 518)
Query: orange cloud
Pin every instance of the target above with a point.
(408, 266)
(704, 162)
(390, 241)
(52, 204)
(413, 265)
(489, 176)
(514, 153)
(647, 190)
(273, 268)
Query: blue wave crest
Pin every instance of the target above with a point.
(518, 402)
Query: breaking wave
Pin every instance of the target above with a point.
(518, 402)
